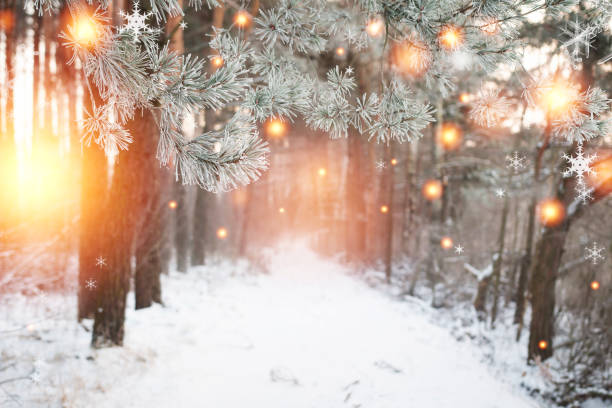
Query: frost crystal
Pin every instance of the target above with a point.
(489, 108)
(579, 165)
(579, 41)
(594, 253)
(515, 161)
(136, 23)
(91, 284)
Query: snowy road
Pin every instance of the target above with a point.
(304, 336)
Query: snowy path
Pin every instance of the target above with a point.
(304, 336)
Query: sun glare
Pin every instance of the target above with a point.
(451, 37)
(85, 30)
(557, 98)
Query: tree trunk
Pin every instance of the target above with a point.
(387, 192)
(497, 265)
(356, 218)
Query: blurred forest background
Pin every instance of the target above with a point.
(451, 218)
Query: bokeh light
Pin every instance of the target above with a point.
(446, 243)
(595, 285)
(451, 37)
(449, 136)
(375, 27)
(242, 18)
(172, 204)
(221, 233)
(275, 128)
(384, 209)
(558, 97)
(411, 58)
(432, 190)
(551, 212)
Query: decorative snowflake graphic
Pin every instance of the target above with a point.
(183, 25)
(516, 161)
(91, 284)
(458, 249)
(594, 253)
(380, 165)
(500, 192)
(100, 262)
(579, 165)
(579, 41)
(136, 22)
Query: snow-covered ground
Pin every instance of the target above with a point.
(304, 335)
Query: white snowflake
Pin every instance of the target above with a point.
(579, 164)
(515, 161)
(594, 253)
(100, 262)
(380, 165)
(583, 192)
(605, 59)
(500, 192)
(579, 41)
(136, 22)
(183, 25)
(91, 284)
(458, 249)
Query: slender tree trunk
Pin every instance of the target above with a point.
(497, 264)
(355, 205)
(388, 220)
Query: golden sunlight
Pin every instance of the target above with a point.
(85, 30)
(558, 97)
(451, 37)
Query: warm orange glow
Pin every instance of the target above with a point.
(601, 179)
(432, 190)
(217, 61)
(340, 51)
(558, 98)
(394, 162)
(551, 212)
(172, 205)
(384, 209)
(322, 172)
(594, 285)
(411, 57)
(465, 97)
(451, 37)
(85, 30)
(543, 344)
(275, 128)
(281, 210)
(239, 197)
(7, 20)
(242, 18)
(449, 136)
(446, 243)
(375, 27)
(221, 233)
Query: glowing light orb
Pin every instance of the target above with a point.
(450, 37)
(432, 190)
(411, 57)
(322, 172)
(595, 285)
(242, 18)
(465, 97)
(275, 128)
(374, 28)
(551, 212)
(558, 98)
(172, 204)
(601, 179)
(384, 209)
(340, 51)
(449, 136)
(85, 30)
(221, 233)
(394, 162)
(281, 210)
(446, 243)
(542, 344)
(217, 61)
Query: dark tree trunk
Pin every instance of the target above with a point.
(497, 264)
(480, 302)
(181, 227)
(523, 279)
(198, 239)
